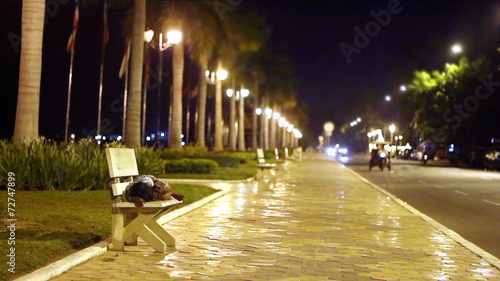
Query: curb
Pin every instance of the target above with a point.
(193, 181)
(65, 264)
(452, 234)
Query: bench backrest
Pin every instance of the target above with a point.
(121, 163)
(260, 156)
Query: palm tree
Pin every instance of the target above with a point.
(241, 33)
(133, 120)
(201, 39)
(177, 70)
(179, 15)
(30, 70)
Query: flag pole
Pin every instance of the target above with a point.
(101, 78)
(125, 91)
(71, 46)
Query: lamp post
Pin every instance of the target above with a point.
(281, 124)
(243, 93)
(274, 121)
(392, 128)
(232, 108)
(220, 76)
(328, 127)
(173, 37)
(148, 36)
(268, 115)
(259, 112)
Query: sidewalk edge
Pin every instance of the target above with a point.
(56, 268)
(452, 234)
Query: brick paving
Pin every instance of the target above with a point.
(315, 221)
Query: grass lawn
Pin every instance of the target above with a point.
(53, 224)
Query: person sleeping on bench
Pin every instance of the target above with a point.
(147, 188)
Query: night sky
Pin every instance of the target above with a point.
(417, 37)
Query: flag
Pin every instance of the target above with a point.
(124, 65)
(71, 42)
(105, 19)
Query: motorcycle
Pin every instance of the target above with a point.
(380, 159)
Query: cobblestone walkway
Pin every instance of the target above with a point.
(316, 221)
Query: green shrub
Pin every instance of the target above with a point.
(244, 157)
(195, 151)
(185, 152)
(45, 165)
(224, 160)
(190, 166)
(149, 161)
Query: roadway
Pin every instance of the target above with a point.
(464, 200)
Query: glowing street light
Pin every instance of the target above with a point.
(241, 124)
(221, 75)
(456, 49)
(403, 88)
(392, 128)
(173, 37)
(388, 98)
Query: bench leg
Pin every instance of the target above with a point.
(161, 233)
(265, 174)
(140, 226)
(132, 240)
(117, 231)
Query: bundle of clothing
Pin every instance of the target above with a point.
(147, 188)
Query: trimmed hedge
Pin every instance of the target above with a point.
(225, 161)
(190, 166)
(185, 152)
(243, 157)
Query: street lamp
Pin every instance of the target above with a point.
(220, 75)
(232, 109)
(173, 37)
(268, 115)
(148, 36)
(388, 98)
(392, 128)
(243, 93)
(259, 112)
(456, 49)
(328, 127)
(402, 88)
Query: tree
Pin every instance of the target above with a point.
(241, 32)
(133, 119)
(456, 105)
(30, 70)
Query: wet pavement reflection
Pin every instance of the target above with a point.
(315, 221)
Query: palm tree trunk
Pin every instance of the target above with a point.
(218, 115)
(133, 122)
(178, 70)
(30, 70)
(254, 115)
(241, 124)
(201, 106)
(232, 119)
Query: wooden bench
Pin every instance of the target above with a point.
(278, 159)
(129, 221)
(264, 168)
